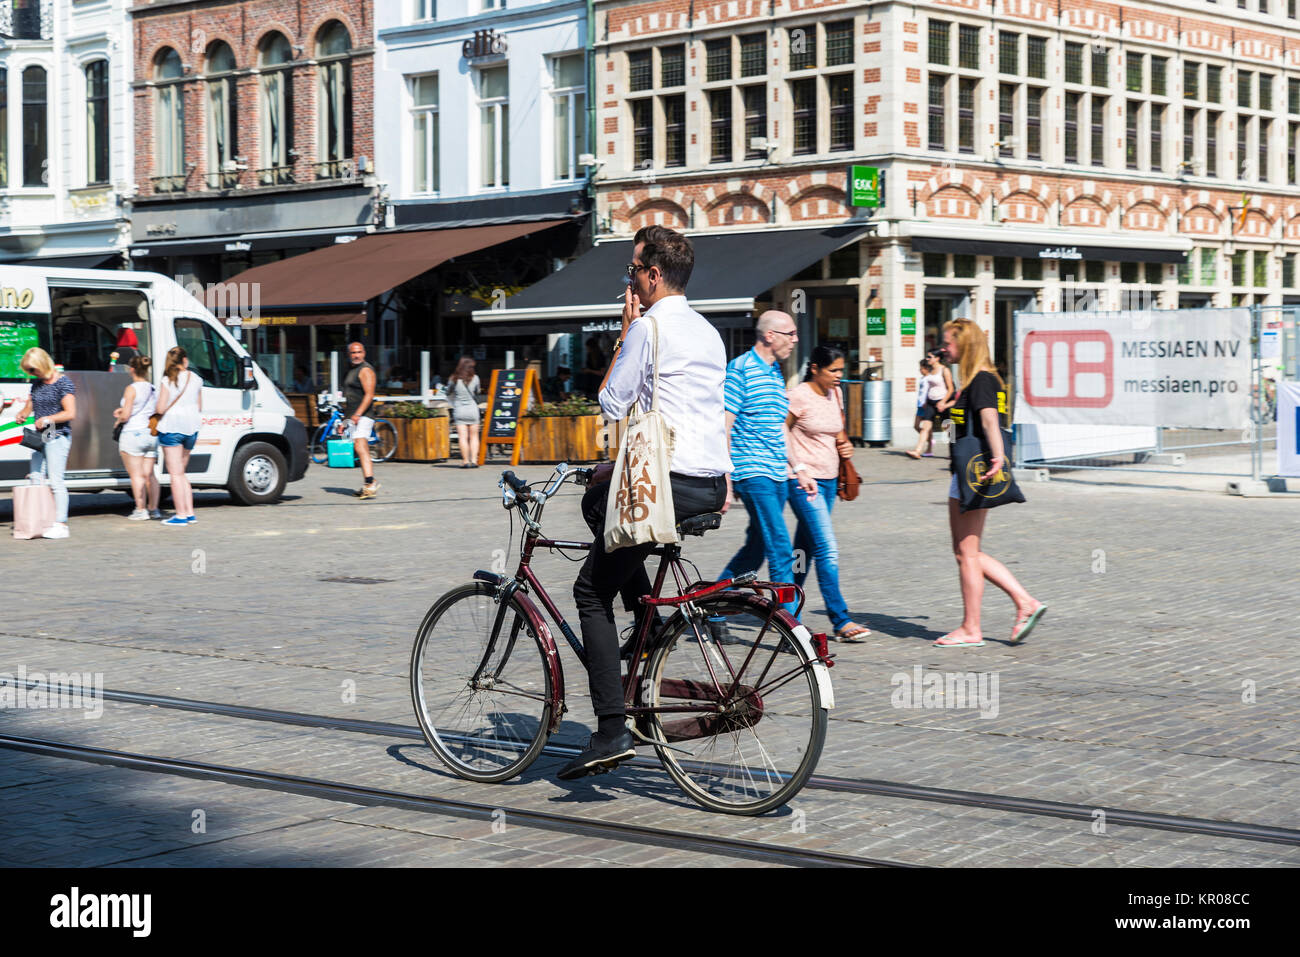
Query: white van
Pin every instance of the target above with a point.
(249, 442)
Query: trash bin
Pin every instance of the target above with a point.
(877, 426)
(851, 394)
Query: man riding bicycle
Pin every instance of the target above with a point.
(692, 371)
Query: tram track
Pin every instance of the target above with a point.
(379, 797)
(1208, 827)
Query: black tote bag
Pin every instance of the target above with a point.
(971, 459)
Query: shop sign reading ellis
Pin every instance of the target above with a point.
(484, 43)
(864, 186)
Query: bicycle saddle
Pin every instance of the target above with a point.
(699, 524)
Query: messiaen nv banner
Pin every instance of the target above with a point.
(1288, 428)
(1183, 368)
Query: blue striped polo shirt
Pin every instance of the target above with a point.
(755, 395)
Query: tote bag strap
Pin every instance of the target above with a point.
(654, 389)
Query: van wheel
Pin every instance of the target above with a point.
(257, 474)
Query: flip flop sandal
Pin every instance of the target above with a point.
(856, 635)
(1021, 633)
(958, 644)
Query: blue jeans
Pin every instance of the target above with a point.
(54, 461)
(814, 540)
(766, 537)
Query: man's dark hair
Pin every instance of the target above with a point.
(670, 251)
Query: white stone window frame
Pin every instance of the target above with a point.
(80, 131)
(658, 120)
(432, 134)
(577, 118)
(1246, 169)
(1023, 83)
(821, 74)
(953, 73)
(500, 106)
(53, 126)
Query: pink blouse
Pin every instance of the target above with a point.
(818, 420)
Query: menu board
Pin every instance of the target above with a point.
(508, 397)
(504, 404)
(16, 337)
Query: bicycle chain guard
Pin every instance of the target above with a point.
(747, 709)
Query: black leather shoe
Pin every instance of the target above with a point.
(600, 756)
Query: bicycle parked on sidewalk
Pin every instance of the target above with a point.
(737, 721)
(383, 437)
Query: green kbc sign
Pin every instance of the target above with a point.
(864, 186)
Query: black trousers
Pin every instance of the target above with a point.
(622, 572)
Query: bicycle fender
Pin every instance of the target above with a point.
(537, 623)
(820, 671)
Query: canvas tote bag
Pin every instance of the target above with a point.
(640, 507)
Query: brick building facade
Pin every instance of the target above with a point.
(254, 142)
(1035, 155)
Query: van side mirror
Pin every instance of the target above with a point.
(246, 378)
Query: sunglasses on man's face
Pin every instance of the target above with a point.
(633, 269)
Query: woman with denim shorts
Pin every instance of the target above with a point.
(816, 442)
(137, 445)
(53, 401)
(180, 399)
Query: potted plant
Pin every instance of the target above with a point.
(565, 431)
(423, 434)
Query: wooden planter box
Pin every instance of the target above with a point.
(422, 440)
(559, 438)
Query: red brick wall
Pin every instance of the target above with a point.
(190, 29)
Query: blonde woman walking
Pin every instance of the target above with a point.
(982, 402)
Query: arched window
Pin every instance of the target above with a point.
(97, 122)
(223, 117)
(169, 123)
(275, 57)
(333, 45)
(36, 147)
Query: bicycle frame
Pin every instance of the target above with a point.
(525, 581)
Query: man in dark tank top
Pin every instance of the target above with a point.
(358, 401)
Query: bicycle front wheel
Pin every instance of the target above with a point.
(318, 451)
(758, 726)
(383, 441)
(486, 712)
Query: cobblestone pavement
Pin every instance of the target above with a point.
(1162, 678)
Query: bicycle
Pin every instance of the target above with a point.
(383, 437)
(488, 687)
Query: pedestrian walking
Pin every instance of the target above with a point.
(135, 443)
(982, 402)
(180, 408)
(358, 403)
(53, 400)
(756, 410)
(692, 364)
(934, 387)
(462, 389)
(817, 443)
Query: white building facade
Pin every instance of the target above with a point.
(484, 108)
(65, 121)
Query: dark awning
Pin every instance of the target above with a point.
(84, 261)
(980, 247)
(244, 242)
(348, 275)
(730, 270)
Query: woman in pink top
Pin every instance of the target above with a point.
(815, 443)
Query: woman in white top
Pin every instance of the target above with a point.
(138, 447)
(180, 400)
(935, 386)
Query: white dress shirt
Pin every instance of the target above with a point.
(692, 371)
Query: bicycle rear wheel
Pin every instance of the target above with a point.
(491, 728)
(761, 743)
(318, 451)
(383, 441)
